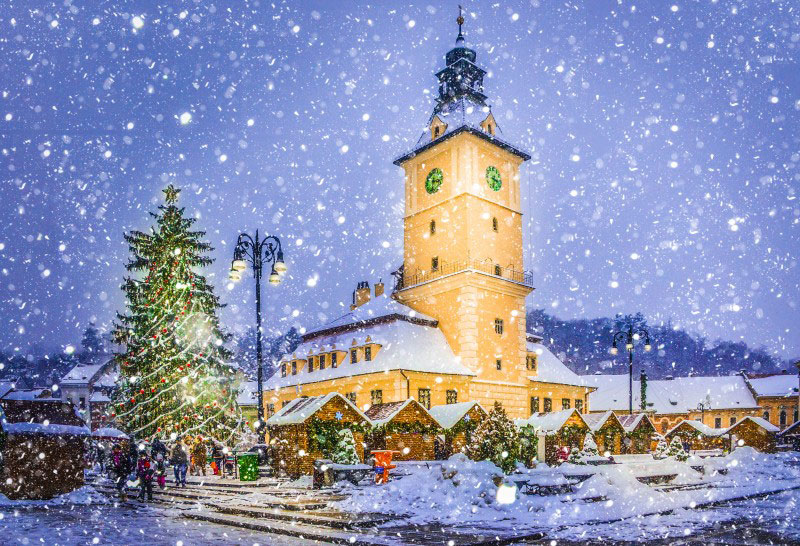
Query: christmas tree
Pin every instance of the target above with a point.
(590, 446)
(174, 373)
(661, 449)
(676, 449)
(496, 440)
(345, 451)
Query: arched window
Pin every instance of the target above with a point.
(783, 418)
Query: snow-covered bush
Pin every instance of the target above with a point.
(590, 446)
(661, 449)
(496, 440)
(676, 450)
(576, 456)
(528, 445)
(345, 450)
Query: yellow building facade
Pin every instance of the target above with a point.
(460, 294)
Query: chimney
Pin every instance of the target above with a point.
(361, 295)
(379, 288)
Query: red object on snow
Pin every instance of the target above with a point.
(383, 464)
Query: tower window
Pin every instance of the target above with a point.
(435, 263)
(499, 364)
(451, 396)
(367, 354)
(498, 326)
(530, 362)
(321, 362)
(433, 227)
(494, 224)
(424, 396)
(353, 356)
(498, 270)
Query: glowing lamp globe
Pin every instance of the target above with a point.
(613, 350)
(234, 275)
(280, 267)
(238, 265)
(274, 278)
(647, 347)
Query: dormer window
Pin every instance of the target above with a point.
(321, 362)
(436, 132)
(367, 353)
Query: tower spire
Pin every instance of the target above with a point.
(460, 21)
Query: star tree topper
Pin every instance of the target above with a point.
(171, 194)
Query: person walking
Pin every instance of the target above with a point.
(158, 448)
(199, 457)
(161, 470)
(120, 468)
(145, 470)
(180, 462)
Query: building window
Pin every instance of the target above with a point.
(351, 396)
(353, 356)
(498, 326)
(435, 263)
(732, 421)
(424, 396)
(321, 362)
(579, 405)
(270, 410)
(766, 415)
(82, 401)
(534, 404)
(717, 422)
(494, 224)
(283, 369)
(435, 132)
(294, 367)
(548, 405)
(376, 396)
(783, 418)
(334, 360)
(795, 415)
(451, 397)
(498, 271)
(310, 364)
(499, 364)
(433, 227)
(565, 403)
(368, 354)
(530, 362)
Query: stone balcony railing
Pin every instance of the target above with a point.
(408, 280)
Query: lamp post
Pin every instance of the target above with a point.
(703, 407)
(258, 252)
(629, 335)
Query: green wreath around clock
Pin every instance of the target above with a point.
(493, 178)
(434, 180)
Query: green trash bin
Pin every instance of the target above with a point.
(248, 467)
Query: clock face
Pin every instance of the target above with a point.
(434, 180)
(493, 178)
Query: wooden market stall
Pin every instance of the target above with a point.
(307, 428)
(43, 445)
(790, 436)
(559, 431)
(458, 421)
(640, 433)
(755, 432)
(607, 431)
(406, 427)
(699, 436)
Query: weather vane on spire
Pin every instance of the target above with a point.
(460, 22)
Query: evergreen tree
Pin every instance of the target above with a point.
(676, 449)
(575, 456)
(345, 450)
(174, 375)
(661, 449)
(92, 342)
(590, 446)
(496, 440)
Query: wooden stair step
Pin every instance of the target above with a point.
(334, 519)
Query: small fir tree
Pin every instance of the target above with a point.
(590, 446)
(676, 449)
(661, 449)
(575, 456)
(529, 445)
(174, 371)
(345, 450)
(496, 439)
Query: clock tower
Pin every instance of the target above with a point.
(463, 258)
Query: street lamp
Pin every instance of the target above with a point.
(703, 407)
(630, 335)
(257, 253)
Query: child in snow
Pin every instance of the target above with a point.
(161, 470)
(145, 471)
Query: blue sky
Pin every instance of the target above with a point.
(663, 137)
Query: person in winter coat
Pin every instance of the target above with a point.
(180, 462)
(198, 457)
(161, 471)
(145, 471)
(217, 456)
(120, 468)
(158, 448)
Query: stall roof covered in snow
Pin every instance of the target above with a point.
(630, 422)
(300, 409)
(110, 432)
(702, 428)
(596, 421)
(677, 395)
(549, 422)
(447, 415)
(550, 369)
(403, 345)
(760, 421)
(380, 414)
(784, 385)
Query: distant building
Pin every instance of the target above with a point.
(90, 386)
(777, 395)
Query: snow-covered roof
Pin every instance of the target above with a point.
(248, 394)
(596, 421)
(109, 432)
(300, 409)
(380, 414)
(448, 415)
(33, 394)
(379, 306)
(98, 396)
(403, 346)
(791, 430)
(702, 428)
(549, 422)
(82, 374)
(665, 396)
(550, 369)
(630, 422)
(41, 428)
(5, 388)
(775, 385)
(763, 423)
